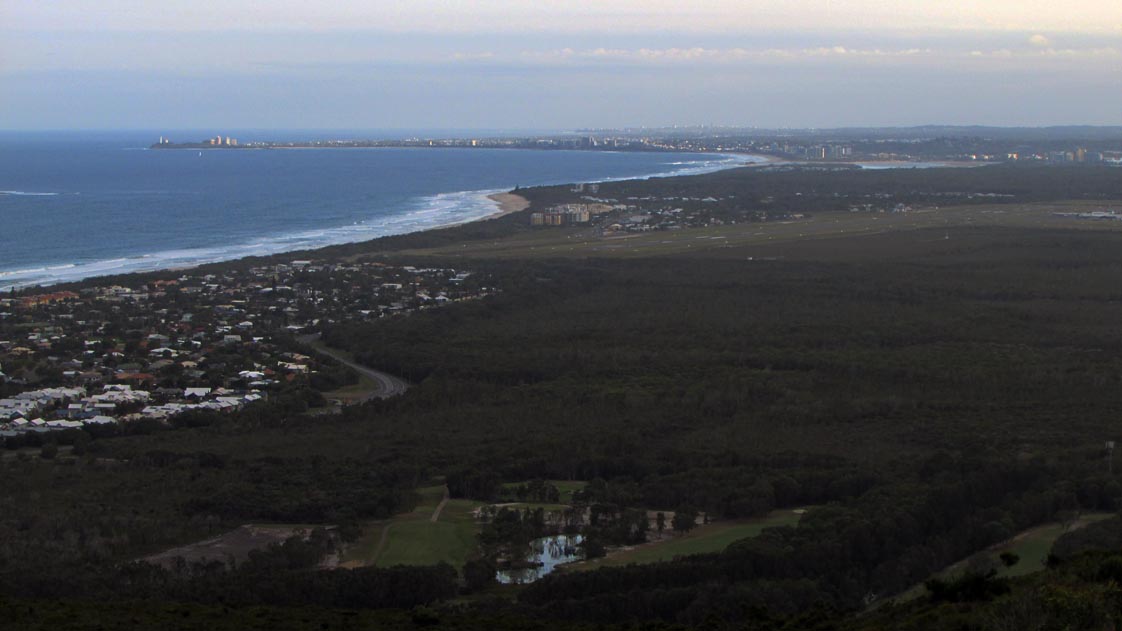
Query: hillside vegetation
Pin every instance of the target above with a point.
(929, 400)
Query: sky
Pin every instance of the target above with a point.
(546, 64)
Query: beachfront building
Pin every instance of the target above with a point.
(563, 215)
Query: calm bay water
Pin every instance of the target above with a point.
(80, 205)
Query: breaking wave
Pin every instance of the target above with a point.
(27, 194)
(424, 213)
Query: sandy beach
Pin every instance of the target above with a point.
(508, 203)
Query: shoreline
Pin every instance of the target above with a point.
(508, 203)
(505, 203)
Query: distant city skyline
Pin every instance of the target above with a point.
(498, 64)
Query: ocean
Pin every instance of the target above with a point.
(76, 205)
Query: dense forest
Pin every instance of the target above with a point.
(928, 402)
(756, 193)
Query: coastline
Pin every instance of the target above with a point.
(501, 203)
(508, 203)
(505, 203)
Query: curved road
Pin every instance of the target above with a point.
(388, 385)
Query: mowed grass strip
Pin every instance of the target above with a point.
(565, 489)
(430, 499)
(413, 539)
(702, 539)
(521, 506)
(351, 393)
(354, 392)
(418, 541)
(1032, 546)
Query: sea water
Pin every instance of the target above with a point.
(75, 205)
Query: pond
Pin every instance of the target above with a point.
(544, 555)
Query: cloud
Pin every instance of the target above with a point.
(1038, 54)
(1040, 41)
(565, 16)
(734, 56)
(701, 55)
(480, 56)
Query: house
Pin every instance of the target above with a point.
(11, 408)
(136, 377)
(77, 411)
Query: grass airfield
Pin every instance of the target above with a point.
(934, 230)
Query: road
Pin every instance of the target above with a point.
(388, 385)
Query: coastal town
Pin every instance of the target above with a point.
(102, 358)
(633, 214)
(919, 144)
(615, 214)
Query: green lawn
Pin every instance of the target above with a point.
(413, 539)
(451, 539)
(350, 393)
(355, 391)
(361, 552)
(1032, 546)
(565, 487)
(531, 505)
(430, 498)
(710, 538)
